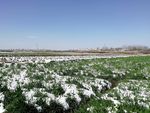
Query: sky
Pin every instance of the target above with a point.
(73, 24)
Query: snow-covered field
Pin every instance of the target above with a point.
(53, 58)
(72, 84)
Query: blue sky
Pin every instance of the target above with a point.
(69, 24)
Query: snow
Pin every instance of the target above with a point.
(87, 86)
(49, 98)
(30, 96)
(132, 91)
(2, 110)
(106, 97)
(88, 91)
(39, 108)
(72, 90)
(48, 59)
(62, 100)
(90, 109)
(17, 80)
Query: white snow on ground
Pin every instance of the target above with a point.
(62, 100)
(131, 92)
(49, 98)
(98, 83)
(2, 110)
(70, 90)
(17, 80)
(88, 91)
(30, 96)
(106, 97)
(55, 58)
(90, 109)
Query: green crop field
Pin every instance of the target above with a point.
(99, 85)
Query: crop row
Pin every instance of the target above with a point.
(78, 85)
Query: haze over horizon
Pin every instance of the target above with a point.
(73, 24)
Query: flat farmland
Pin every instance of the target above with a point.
(75, 84)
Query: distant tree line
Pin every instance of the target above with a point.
(142, 49)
